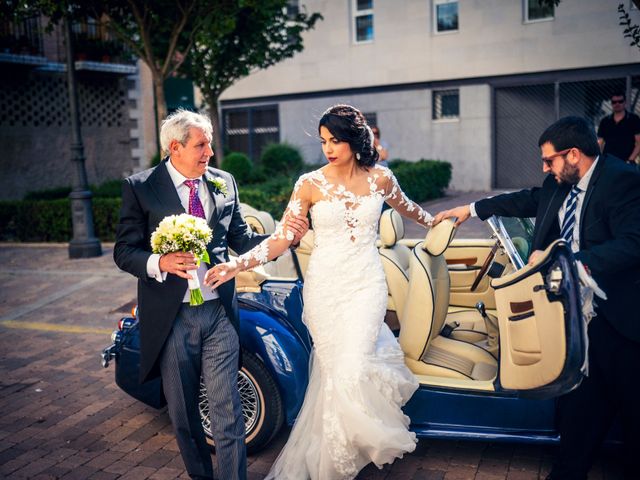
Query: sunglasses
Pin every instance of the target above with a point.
(548, 161)
(614, 102)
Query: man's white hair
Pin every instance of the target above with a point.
(177, 125)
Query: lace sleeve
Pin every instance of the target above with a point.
(280, 240)
(406, 207)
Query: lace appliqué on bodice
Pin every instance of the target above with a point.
(347, 216)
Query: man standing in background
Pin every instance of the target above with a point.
(619, 133)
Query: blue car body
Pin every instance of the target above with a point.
(271, 327)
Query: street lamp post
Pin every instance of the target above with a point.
(83, 244)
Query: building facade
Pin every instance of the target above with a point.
(472, 82)
(115, 104)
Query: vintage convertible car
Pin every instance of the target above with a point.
(491, 340)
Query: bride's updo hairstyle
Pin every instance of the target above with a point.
(347, 124)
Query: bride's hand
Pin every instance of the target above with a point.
(221, 273)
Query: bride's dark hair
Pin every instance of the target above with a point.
(347, 124)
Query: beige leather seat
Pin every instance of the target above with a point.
(464, 324)
(395, 259)
(262, 222)
(468, 325)
(427, 352)
(259, 221)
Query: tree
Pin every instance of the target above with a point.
(160, 32)
(631, 30)
(255, 34)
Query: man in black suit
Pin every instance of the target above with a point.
(178, 341)
(596, 199)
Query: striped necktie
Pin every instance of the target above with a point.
(195, 205)
(569, 221)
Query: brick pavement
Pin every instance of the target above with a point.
(63, 417)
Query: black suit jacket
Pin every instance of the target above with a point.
(609, 232)
(148, 197)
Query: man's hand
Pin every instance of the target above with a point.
(178, 263)
(297, 225)
(462, 213)
(535, 256)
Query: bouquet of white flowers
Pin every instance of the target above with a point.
(184, 233)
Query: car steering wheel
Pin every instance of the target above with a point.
(485, 266)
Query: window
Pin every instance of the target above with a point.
(446, 105)
(445, 16)
(21, 36)
(249, 130)
(538, 10)
(292, 9)
(362, 20)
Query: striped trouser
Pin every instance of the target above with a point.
(203, 340)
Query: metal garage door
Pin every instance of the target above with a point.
(522, 113)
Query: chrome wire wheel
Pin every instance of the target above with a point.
(262, 407)
(251, 406)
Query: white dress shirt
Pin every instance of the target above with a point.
(153, 263)
(582, 185)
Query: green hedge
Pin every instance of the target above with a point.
(108, 189)
(271, 196)
(282, 159)
(239, 165)
(50, 219)
(422, 180)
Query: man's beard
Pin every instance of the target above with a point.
(570, 174)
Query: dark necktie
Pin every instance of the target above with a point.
(569, 221)
(195, 205)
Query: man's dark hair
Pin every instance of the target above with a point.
(618, 93)
(571, 132)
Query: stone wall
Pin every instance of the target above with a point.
(35, 129)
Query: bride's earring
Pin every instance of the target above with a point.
(357, 156)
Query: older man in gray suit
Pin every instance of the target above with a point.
(180, 342)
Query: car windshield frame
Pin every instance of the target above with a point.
(506, 229)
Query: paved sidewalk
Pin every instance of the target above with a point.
(62, 416)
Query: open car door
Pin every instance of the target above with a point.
(542, 333)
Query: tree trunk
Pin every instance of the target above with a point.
(161, 103)
(212, 102)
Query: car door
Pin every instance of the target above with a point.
(542, 332)
(464, 258)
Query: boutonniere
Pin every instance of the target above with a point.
(219, 185)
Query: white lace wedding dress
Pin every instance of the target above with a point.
(351, 414)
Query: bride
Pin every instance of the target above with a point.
(351, 414)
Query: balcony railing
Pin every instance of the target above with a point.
(21, 38)
(95, 43)
(25, 42)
